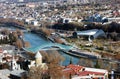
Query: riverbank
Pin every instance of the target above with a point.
(40, 34)
(9, 24)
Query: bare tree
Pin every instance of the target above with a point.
(35, 73)
(19, 32)
(46, 31)
(15, 35)
(58, 40)
(27, 44)
(54, 71)
(19, 44)
(54, 68)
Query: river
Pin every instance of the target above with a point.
(36, 41)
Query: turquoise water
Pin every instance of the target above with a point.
(67, 57)
(47, 46)
(35, 40)
(38, 42)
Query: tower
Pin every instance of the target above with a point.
(14, 65)
(38, 59)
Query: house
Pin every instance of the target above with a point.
(4, 74)
(91, 34)
(3, 36)
(17, 74)
(28, 20)
(35, 23)
(96, 18)
(80, 72)
(114, 19)
(65, 20)
(116, 13)
(31, 5)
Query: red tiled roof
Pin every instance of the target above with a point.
(85, 73)
(75, 68)
(68, 70)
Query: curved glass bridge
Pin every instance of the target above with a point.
(49, 46)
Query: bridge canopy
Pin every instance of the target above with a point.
(51, 46)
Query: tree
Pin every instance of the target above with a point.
(12, 37)
(0, 40)
(58, 40)
(114, 36)
(35, 73)
(97, 64)
(19, 44)
(5, 66)
(46, 31)
(15, 36)
(27, 44)
(6, 40)
(54, 68)
(54, 71)
(19, 32)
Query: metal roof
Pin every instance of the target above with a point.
(87, 32)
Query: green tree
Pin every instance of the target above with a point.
(0, 40)
(12, 37)
(97, 64)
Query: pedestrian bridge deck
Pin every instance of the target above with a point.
(54, 46)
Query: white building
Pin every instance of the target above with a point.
(92, 34)
(29, 20)
(14, 65)
(35, 23)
